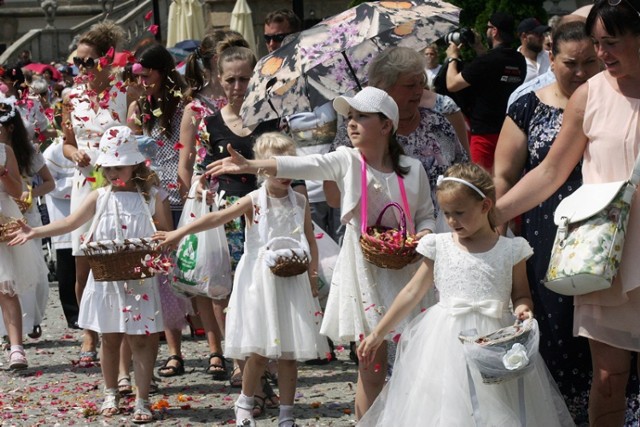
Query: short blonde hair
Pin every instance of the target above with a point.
(274, 144)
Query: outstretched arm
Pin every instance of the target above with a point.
(406, 300)
(236, 163)
(80, 216)
(211, 220)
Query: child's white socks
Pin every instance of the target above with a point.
(285, 419)
(244, 408)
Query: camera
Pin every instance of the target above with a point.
(461, 36)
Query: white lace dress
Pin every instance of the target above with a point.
(273, 316)
(131, 307)
(21, 267)
(361, 293)
(89, 123)
(34, 302)
(430, 384)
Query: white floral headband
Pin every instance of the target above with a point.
(6, 115)
(461, 181)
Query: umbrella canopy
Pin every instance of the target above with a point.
(242, 22)
(185, 21)
(39, 68)
(331, 58)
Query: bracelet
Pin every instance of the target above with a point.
(452, 59)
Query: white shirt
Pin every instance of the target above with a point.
(538, 67)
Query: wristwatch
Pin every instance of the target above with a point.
(451, 59)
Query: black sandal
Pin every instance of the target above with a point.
(258, 406)
(172, 371)
(36, 332)
(269, 395)
(218, 371)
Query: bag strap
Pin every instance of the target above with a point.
(365, 202)
(634, 179)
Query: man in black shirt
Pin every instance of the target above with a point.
(492, 77)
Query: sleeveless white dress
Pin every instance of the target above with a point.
(430, 383)
(20, 266)
(273, 316)
(88, 126)
(131, 307)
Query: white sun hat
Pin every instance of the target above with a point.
(119, 147)
(369, 100)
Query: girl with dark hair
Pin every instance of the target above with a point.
(22, 270)
(601, 128)
(157, 116)
(360, 292)
(32, 167)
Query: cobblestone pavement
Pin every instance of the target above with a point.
(56, 391)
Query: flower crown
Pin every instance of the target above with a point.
(7, 109)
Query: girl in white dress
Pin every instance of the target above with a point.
(30, 164)
(19, 267)
(477, 273)
(360, 292)
(121, 309)
(269, 317)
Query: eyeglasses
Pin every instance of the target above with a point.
(278, 38)
(617, 2)
(87, 63)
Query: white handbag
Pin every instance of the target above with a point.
(592, 224)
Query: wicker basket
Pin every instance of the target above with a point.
(7, 226)
(23, 205)
(113, 261)
(499, 342)
(286, 261)
(384, 253)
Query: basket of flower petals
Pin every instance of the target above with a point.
(286, 257)
(7, 226)
(23, 205)
(388, 247)
(505, 354)
(128, 259)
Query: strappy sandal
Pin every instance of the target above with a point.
(124, 386)
(218, 371)
(258, 406)
(272, 400)
(142, 412)
(109, 406)
(285, 422)
(36, 332)
(18, 360)
(88, 357)
(245, 422)
(171, 371)
(154, 388)
(236, 377)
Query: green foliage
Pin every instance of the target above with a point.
(476, 13)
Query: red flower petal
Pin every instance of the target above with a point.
(148, 15)
(153, 29)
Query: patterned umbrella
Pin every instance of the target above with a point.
(331, 58)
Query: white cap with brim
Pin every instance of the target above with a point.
(369, 100)
(119, 147)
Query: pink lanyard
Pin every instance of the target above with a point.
(364, 204)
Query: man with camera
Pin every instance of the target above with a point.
(490, 77)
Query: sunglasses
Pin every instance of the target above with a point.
(87, 63)
(617, 2)
(278, 38)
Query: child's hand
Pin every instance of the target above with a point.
(368, 348)
(167, 239)
(22, 235)
(234, 164)
(523, 312)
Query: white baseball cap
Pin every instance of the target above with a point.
(369, 100)
(119, 147)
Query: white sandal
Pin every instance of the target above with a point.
(245, 422)
(18, 360)
(140, 410)
(285, 422)
(109, 406)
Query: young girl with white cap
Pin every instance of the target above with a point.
(119, 309)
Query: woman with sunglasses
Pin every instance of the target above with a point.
(96, 103)
(601, 127)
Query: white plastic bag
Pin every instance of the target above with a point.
(203, 266)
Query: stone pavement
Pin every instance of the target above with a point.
(56, 391)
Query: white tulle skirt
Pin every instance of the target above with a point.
(430, 385)
(275, 317)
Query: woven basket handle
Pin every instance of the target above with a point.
(403, 217)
